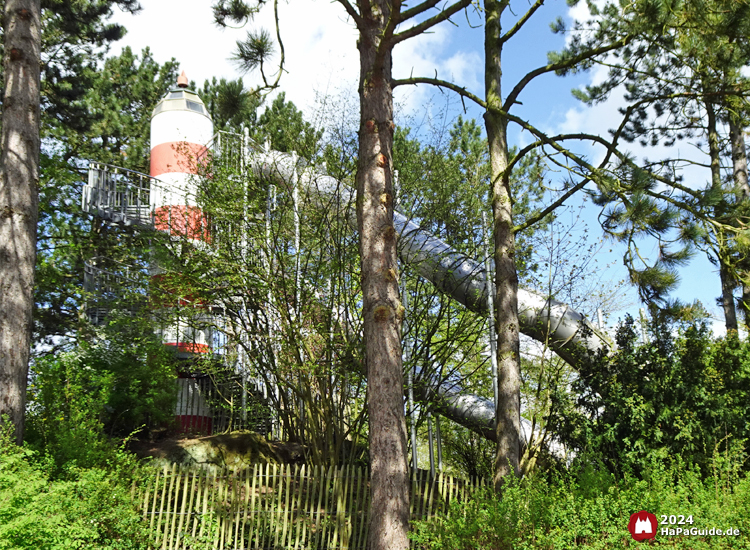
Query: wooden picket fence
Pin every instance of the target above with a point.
(276, 507)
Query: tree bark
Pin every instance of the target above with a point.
(508, 413)
(739, 158)
(19, 178)
(742, 192)
(727, 282)
(382, 310)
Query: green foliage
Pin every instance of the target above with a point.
(78, 400)
(469, 453)
(119, 104)
(230, 104)
(284, 125)
(590, 508)
(115, 128)
(680, 395)
(75, 36)
(91, 508)
(681, 73)
(305, 342)
(254, 50)
(445, 186)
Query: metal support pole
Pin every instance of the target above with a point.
(410, 381)
(396, 189)
(439, 444)
(432, 449)
(297, 263)
(297, 268)
(245, 154)
(490, 305)
(270, 316)
(244, 400)
(600, 319)
(407, 346)
(412, 422)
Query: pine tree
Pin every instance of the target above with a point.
(19, 176)
(617, 26)
(120, 99)
(376, 23)
(57, 36)
(684, 86)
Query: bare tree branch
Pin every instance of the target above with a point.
(431, 22)
(416, 10)
(463, 92)
(521, 22)
(565, 64)
(352, 13)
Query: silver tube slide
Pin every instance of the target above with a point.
(564, 330)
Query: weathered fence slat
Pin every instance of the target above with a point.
(364, 482)
(287, 508)
(278, 507)
(299, 517)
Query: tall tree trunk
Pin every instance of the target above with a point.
(508, 414)
(19, 178)
(742, 191)
(727, 281)
(382, 310)
(739, 158)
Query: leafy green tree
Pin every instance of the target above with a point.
(81, 401)
(682, 395)
(75, 37)
(293, 331)
(287, 130)
(89, 508)
(604, 36)
(230, 104)
(120, 100)
(28, 30)
(376, 23)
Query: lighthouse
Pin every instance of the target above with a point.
(180, 129)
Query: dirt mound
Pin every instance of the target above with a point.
(234, 451)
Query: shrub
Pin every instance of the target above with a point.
(79, 400)
(90, 509)
(682, 394)
(590, 508)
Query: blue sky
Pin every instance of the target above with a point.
(322, 59)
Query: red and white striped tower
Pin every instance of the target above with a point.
(180, 129)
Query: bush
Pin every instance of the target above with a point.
(590, 508)
(90, 509)
(79, 400)
(683, 394)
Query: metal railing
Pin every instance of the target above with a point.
(230, 149)
(106, 288)
(123, 196)
(118, 195)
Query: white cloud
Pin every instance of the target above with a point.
(580, 13)
(183, 30)
(320, 49)
(320, 44)
(432, 52)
